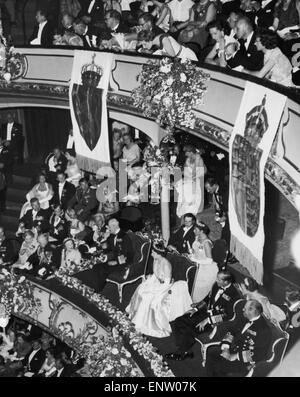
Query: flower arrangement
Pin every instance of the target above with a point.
(17, 294)
(121, 324)
(169, 89)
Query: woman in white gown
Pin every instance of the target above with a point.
(73, 170)
(191, 188)
(8, 342)
(42, 191)
(158, 300)
(207, 270)
(70, 255)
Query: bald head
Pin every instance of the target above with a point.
(252, 309)
(244, 28)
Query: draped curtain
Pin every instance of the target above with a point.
(46, 128)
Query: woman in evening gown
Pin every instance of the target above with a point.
(42, 191)
(201, 253)
(158, 300)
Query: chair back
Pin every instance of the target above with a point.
(141, 248)
(278, 345)
(220, 253)
(16, 246)
(182, 269)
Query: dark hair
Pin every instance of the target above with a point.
(217, 23)
(114, 14)
(250, 284)
(42, 12)
(50, 350)
(145, 35)
(204, 228)
(293, 295)
(226, 275)
(190, 215)
(33, 200)
(268, 38)
(189, 148)
(147, 17)
(82, 180)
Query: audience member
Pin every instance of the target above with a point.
(84, 200)
(63, 191)
(6, 249)
(246, 342)
(3, 189)
(42, 191)
(7, 159)
(73, 171)
(28, 247)
(217, 307)
(58, 226)
(182, 240)
(42, 34)
(35, 217)
(48, 368)
(34, 359)
(158, 300)
(12, 131)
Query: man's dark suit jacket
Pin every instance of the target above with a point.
(256, 338)
(16, 134)
(27, 219)
(60, 230)
(97, 12)
(47, 35)
(251, 58)
(106, 34)
(88, 37)
(36, 362)
(67, 194)
(180, 242)
(265, 16)
(225, 302)
(6, 251)
(122, 245)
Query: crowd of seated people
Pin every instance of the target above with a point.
(74, 226)
(255, 37)
(28, 351)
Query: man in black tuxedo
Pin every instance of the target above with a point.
(55, 162)
(58, 225)
(146, 22)
(88, 34)
(6, 249)
(92, 12)
(114, 24)
(12, 132)
(220, 202)
(246, 341)
(63, 191)
(217, 307)
(61, 370)
(184, 237)
(247, 56)
(264, 12)
(43, 32)
(36, 217)
(7, 159)
(34, 360)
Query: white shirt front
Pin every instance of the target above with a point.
(9, 130)
(60, 189)
(248, 325)
(186, 229)
(34, 214)
(59, 371)
(221, 292)
(51, 164)
(92, 3)
(180, 10)
(31, 355)
(37, 40)
(70, 142)
(247, 42)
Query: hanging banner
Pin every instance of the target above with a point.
(88, 91)
(250, 143)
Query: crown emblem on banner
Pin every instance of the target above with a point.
(256, 123)
(91, 73)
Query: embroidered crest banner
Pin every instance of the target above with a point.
(87, 94)
(250, 143)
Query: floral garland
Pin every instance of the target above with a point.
(17, 294)
(122, 325)
(169, 89)
(74, 268)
